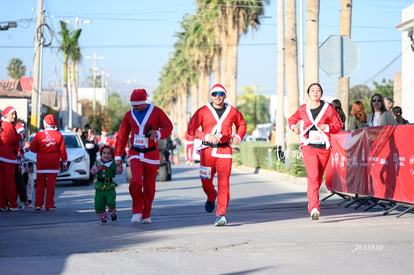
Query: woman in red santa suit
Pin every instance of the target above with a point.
(145, 124)
(50, 148)
(9, 148)
(216, 120)
(320, 120)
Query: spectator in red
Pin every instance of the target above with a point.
(189, 148)
(50, 148)
(9, 147)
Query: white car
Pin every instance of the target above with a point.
(78, 159)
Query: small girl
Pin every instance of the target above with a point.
(105, 170)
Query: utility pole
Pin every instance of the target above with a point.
(345, 30)
(95, 57)
(37, 70)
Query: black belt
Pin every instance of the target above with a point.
(218, 145)
(104, 180)
(143, 150)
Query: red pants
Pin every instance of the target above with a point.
(142, 187)
(47, 181)
(221, 166)
(8, 189)
(315, 161)
(189, 150)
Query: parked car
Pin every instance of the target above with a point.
(164, 168)
(78, 159)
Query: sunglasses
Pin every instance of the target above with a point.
(216, 94)
(376, 100)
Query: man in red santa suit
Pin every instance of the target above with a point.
(9, 148)
(50, 148)
(320, 121)
(144, 124)
(216, 119)
(103, 139)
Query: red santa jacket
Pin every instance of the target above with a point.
(50, 148)
(10, 144)
(328, 116)
(211, 124)
(155, 119)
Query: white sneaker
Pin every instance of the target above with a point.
(147, 221)
(136, 218)
(314, 215)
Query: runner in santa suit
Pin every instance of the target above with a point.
(50, 148)
(145, 124)
(103, 139)
(320, 121)
(9, 148)
(189, 148)
(216, 120)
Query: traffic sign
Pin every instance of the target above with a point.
(338, 56)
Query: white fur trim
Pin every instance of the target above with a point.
(138, 102)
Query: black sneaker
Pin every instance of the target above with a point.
(220, 220)
(103, 221)
(114, 217)
(210, 205)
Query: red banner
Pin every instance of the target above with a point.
(373, 161)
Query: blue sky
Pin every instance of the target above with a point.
(136, 38)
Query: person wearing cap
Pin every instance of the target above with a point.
(216, 120)
(105, 170)
(9, 148)
(144, 124)
(51, 150)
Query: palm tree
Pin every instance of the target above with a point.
(280, 94)
(345, 30)
(75, 57)
(291, 64)
(16, 69)
(65, 48)
(233, 18)
(71, 51)
(312, 42)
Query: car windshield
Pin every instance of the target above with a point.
(72, 142)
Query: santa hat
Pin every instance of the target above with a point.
(104, 131)
(49, 120)
(8, 110)
(107, 146)
(138, 97)
(218, 88)
(19, 127)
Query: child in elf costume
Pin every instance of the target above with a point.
(105, 170)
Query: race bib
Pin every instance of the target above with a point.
(316, 137)
(205, 172)
(140, 141)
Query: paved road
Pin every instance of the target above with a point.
(269, 232)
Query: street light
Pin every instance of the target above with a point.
(11, 24)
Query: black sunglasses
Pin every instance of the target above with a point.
(376, 100)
